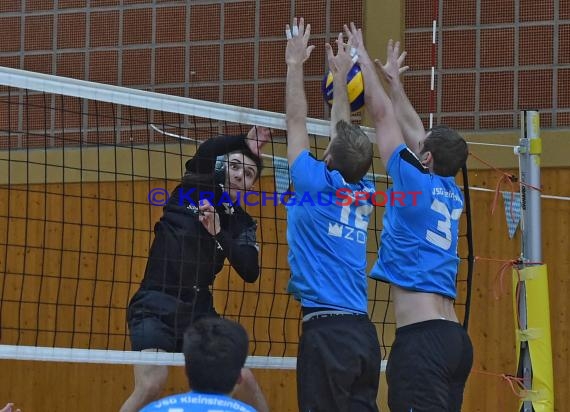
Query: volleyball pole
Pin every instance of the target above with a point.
(530, 280)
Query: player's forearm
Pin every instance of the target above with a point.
(408, 119)
(204, 160)
(296, 109)
(377, 101)
(341, 107)
(243, 258)
(295, 99)
(249, 392)
(379, 105)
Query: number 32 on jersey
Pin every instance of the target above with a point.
(443, 225)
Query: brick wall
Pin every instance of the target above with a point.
(223, 51)
(494, 58)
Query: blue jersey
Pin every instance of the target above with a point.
(198, 402)
(418, 251)
(327, 237)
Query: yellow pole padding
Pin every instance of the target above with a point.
(537, 335)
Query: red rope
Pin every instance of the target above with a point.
(498, 289)
(513, 381)
(505, 177)
(510, 176)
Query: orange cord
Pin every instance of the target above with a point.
(498, 290)
(505, 177)
(513, 381)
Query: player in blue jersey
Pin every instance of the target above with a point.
(432, 354)
(338, 363)
(215, 350)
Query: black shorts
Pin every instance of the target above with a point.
(338, 365)
(158, 320)
(428, 367)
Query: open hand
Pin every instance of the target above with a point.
(257, 137)
(394, 60)
(356, 41)
(297, 51)
(342, 62)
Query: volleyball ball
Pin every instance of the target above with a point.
(354, 86)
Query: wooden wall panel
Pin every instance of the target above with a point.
(39, 386)
(492, 320)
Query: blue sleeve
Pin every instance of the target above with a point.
(308, 174)
(407, 172)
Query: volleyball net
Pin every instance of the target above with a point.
(84, 170)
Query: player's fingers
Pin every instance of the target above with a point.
(353, 28)
(347, 31)
(329, 52)
(340, 42)
(307, 34)
(310, 50)
(402, 58)
(389, 48)
(397, 48)
(206, 206)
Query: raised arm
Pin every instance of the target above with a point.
(296, 53)
(204, 161)
(339, 66)
(378, 104)
(409, 121)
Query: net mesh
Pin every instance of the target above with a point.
(80, 197)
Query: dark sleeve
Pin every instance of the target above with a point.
(204, 161)
(407, 172)
(242, 252)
